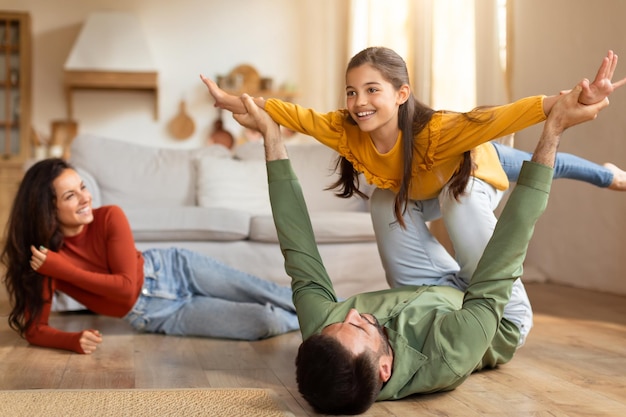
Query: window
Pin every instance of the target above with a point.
(447, 65)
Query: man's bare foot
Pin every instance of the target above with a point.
(619, 177)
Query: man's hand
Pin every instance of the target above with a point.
(602, 85)
(568, 111)
(256, 118)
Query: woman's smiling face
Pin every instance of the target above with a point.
(73, 202)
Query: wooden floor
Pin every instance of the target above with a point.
(574, 364)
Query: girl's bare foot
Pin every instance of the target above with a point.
(619, 177)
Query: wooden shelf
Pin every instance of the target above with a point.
(110, 80)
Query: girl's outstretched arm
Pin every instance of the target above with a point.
(226, 101)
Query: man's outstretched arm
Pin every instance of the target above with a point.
(313, 293)
(472, 328)
(506, 250)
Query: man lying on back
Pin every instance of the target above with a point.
(393, 343)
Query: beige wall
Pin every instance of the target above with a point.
(283, 39)
(580, 239)
(555, 43)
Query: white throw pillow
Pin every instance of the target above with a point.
(234, 184)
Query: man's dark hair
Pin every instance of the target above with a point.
(332, 380)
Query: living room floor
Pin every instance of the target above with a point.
(573, 364)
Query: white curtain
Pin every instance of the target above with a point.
(455, 51)
(453, 48)
(380, 23)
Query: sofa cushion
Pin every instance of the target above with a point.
(314, 164)
(328, 226)
(132, 175)
(233, 184)
(188, 223)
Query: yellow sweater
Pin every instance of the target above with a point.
(439, 147)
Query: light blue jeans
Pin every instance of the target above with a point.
(566, 166)
(413, 256)
(188, 294)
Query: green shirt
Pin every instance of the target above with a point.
(439, 334)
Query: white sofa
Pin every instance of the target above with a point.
(216, 202)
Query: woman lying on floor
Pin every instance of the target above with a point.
(56, 242)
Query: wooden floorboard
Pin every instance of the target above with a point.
(573, 364)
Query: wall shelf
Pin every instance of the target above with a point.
(110, 80)
(245, 79)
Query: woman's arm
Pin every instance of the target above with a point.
(40, 333)
(108, 266)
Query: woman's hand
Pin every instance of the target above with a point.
(38, 257)
(602, 86)
(89, 341)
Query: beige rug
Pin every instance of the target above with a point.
(142, 402)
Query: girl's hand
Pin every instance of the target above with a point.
(38, 258)
(223, 100)
(602, 86)
(218, 94)
(89, 341)
(226, 101)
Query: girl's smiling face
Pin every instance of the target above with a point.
(373, 102)
(73, 202)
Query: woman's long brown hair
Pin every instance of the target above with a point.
(32, 221)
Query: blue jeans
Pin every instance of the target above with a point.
(566, 166)
(188, 294)
(413, 256)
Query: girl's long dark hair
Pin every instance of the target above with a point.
(413, 116)
(32, 222)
